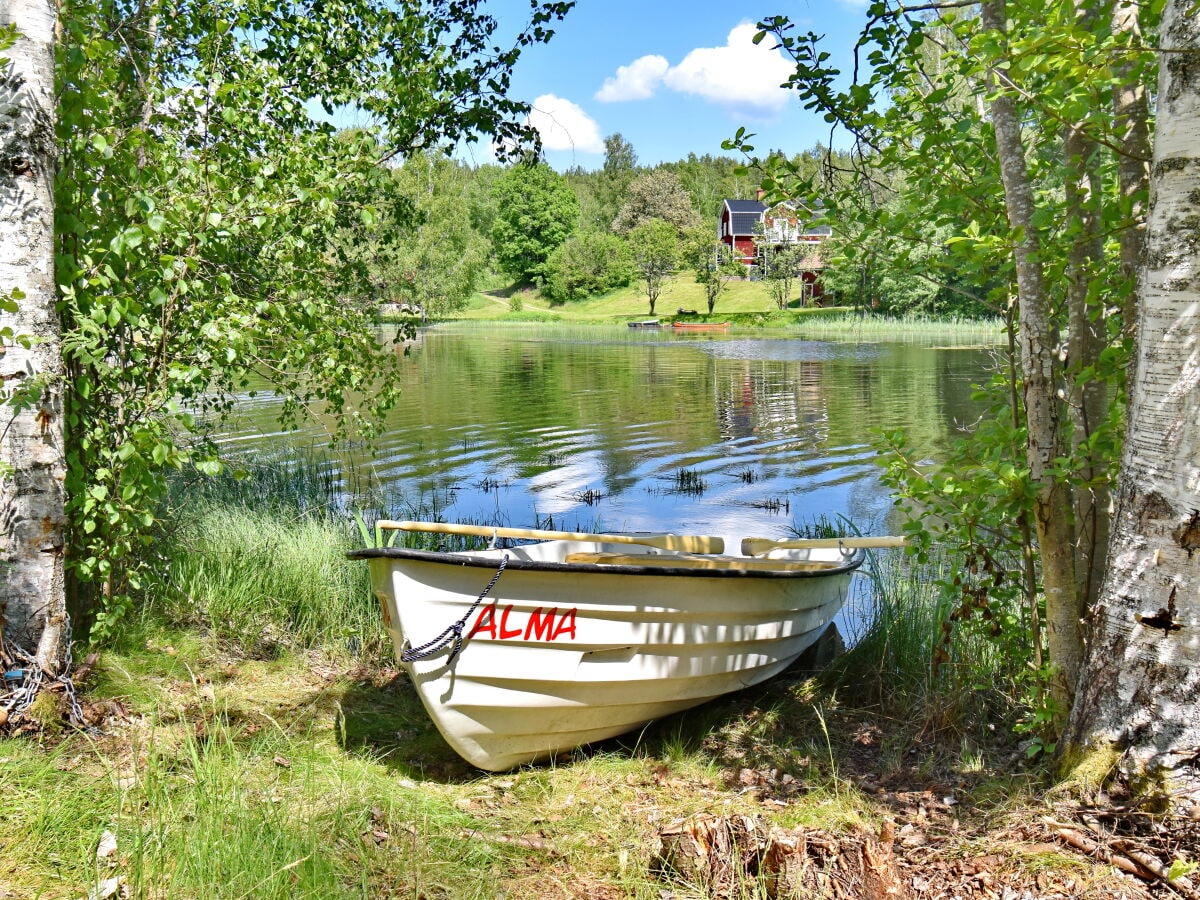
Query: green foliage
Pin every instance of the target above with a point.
(535, 212)
(710, 181)
(657, 195)
(712, 262)
(610, 185)
(423, 244)
(586, 264)
(196, 201)
(780, 269)
(655, 250)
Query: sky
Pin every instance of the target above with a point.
(673, 77)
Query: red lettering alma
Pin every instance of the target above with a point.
(505, 633)
(539, 625)
(566, 625)
(486, 622)
(492, 622)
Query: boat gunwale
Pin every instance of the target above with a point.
(461, 558)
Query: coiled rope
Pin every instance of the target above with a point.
(454, 633)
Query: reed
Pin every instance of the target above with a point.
(922, 329)
(903, 613)
(690, 482)
(266, 579)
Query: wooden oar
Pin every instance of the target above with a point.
(726, 563)
(757, 546)
(688, 543)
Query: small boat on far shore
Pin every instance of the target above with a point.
(701, 326)
(646, 323)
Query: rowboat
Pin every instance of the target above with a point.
(646, 323)
(701, 326)
(522, 653)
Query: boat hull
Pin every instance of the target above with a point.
(558, 655)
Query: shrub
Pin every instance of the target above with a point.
(587, 264)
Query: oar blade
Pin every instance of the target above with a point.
(687, 543)
(757, 546)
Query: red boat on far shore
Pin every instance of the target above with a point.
(701, 326)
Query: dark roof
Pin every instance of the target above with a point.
(746, 215)
(744, 222)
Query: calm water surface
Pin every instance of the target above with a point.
(628, 429)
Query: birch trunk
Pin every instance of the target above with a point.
(32, 465)
(1139, 688)
(1039, 351)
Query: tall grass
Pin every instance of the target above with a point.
(894, 662)
(259, 560)
(259, 579)
(904, 328)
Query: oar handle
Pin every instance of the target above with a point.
(716, 564)
(755, 546)
(688, 543)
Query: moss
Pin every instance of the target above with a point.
(1086, 770)
(47, 710)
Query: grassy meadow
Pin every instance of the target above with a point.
(746, 305)
(251, 737)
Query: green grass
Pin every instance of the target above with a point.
(891, 664)
(747, 297)
(257, 741)
(746, 304)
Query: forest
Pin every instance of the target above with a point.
(447, 229)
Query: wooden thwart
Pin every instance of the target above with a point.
(727, 563)
(756, 546)
(686, 543)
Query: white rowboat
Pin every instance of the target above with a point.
(578, 640)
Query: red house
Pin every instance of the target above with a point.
(750, 229)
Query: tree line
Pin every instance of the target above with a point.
(445, 228)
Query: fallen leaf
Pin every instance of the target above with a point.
(105, 889)
(107, 846)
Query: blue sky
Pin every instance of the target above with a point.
(671, 76)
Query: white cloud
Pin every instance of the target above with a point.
(636, 81)
(741, 75)
(565, 126)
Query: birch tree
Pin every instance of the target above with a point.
(186, 248)
(1138, 688)
(1039, 349)
(994, 131)
(32, 594)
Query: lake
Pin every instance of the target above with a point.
(608, 427)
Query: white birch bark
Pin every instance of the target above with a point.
(1140, 686)
(32, 464)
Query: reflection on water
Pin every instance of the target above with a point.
(626, 429)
